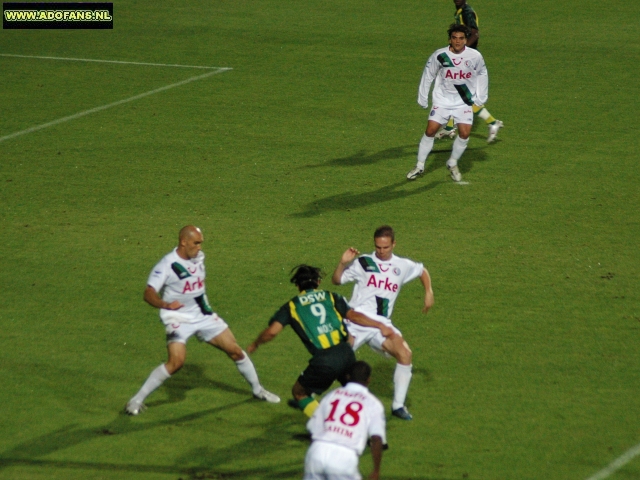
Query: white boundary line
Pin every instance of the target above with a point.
(114, 104)
(617, 464)
(111, 61)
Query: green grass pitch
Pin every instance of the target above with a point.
(528, 365)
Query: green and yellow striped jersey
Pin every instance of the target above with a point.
(467, 16)
(317, 318)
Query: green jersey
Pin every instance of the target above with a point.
(317, 317)
(467, 16)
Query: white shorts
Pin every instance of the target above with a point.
(329, 461)
(370, 335)
(460, 114)
(209, 327)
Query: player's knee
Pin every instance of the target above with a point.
(236, 354)
(298, 391)
(404, 353)
(174, 365)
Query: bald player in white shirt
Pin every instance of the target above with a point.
(461, 81)
(340, 427)
(176, 286)
(378, 279)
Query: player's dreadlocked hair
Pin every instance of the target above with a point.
(458, 28)
(306, 277)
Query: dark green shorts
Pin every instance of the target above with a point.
(326, 366)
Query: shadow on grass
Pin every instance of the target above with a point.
(348, 201)
(363, 158)
(198, 463)
(189, 377)
(401, 189)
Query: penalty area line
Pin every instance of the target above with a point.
(110, 105)
(617, 464)
(111, 61)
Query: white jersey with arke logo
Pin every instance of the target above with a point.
(460, 79)
(348, 416)
(175, 278)
(378, 282)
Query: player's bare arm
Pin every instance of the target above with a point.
(362, 320)
(428, 291)
(267, 335)
(474, 37)
(155, 300)
(347, 257)
(376, 454)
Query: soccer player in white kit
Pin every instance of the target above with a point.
(461, 81)
(340, 427)
(378, 279)
(185, 311)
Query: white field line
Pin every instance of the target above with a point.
(111, 61)
(114, 104)
(617, 464)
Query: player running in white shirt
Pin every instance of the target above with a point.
(185, 311)
(379, 278)
(461, 81)
(340, 427)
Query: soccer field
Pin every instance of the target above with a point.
(285, 130)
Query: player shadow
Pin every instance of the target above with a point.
(28, 452)
(361, 157)
(348, 201)
(191, 376)
(437, 159)
(197, 463)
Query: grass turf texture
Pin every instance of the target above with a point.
(527, 367)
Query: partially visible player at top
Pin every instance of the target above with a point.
(461, 80)
(378, 278)
(465, 15)
(176, 286)
(340, 427)
(317, 317)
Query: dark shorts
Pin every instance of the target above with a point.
(326, 366)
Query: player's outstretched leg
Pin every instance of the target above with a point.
(303, 400)
(227, 343)
(426, 144)
(399, 349)
(177, 353)
(135, 406)
(459, 146)
(493, 124)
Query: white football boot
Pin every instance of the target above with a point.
(493, 130)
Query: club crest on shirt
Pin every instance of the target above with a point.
(396, 271)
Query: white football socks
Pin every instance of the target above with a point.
(157, 378)
(401, 380)
(426, 144)
(248, 371)
(459, 146)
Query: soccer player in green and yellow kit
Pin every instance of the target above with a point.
(317, 317)
(465, 15)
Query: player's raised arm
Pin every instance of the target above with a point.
(152, 297)
(347, 257)
(267, 335)
(428, 291)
